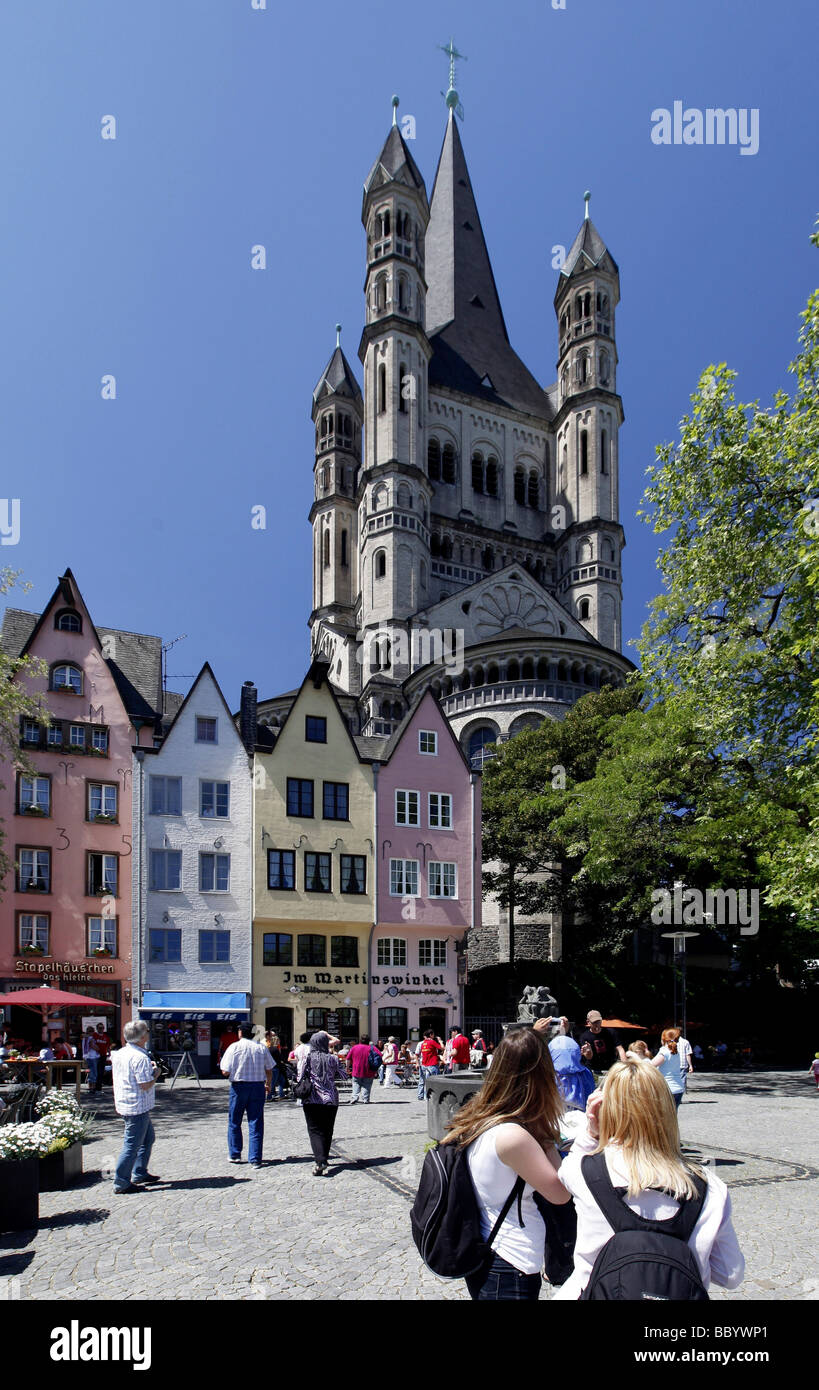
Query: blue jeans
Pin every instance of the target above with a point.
(136, 1149)
(362, 1085)
(246, 1096)
(93, 1064)
(423, 1073)
(276, 1080)
(502, 1282)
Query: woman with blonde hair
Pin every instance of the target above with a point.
(510, 1129)
(633, 1123)
(669, 1061)
(638, 1051)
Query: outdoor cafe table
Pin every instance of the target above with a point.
(53, 1070)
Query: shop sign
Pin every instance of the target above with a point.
(192, 1017)
(62, 967)
(326, 977)
(332, 1023)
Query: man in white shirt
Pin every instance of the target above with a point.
(686, 1052)
(134, 1077)
(250, 1068)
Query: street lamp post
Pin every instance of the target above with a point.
(679, 938)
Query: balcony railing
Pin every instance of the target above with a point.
(512, 692)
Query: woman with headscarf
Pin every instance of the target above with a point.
(574, 1079)
(320, 1110)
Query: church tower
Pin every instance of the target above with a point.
(589, 416)
(394, 493)
(337, 413)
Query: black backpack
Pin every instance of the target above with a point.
(445, 1215)
(644, 1259)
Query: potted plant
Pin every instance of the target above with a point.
(104, 818)
(20, 1147)
(102, 951)
(33, 950)
(33, 810)
(65, 1126)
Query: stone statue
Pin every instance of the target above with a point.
(537, 1003)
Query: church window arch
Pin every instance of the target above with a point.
(466, 680)
(344, 559)
(520, 486)
(584, 609)
(578, 308)
(584, 451)
(605, 368)
(604, 452)
(423, 573)
(533, 492)
(488, 558)
(402, 400)
(527, 669)
(477, 472)
(380, 294)
(542, 669)
(491, 476)
(446, 548)
(492, 675)
(448, 470)
(380, 564)
(380, 497)
(404, 497)
(326, 423)
(607, 552)
(434, 460)
(477, 676)
(512, 670)
(583, 552)
(435, 545)
(586, 305)
(564, 383)
(477, 742)
(325, 544)
(382, 389)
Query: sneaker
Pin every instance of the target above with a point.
(318, 1171)
(124, 1191)
(145, 1178)
(235, 1160)
(255, 1165)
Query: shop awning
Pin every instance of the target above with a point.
(190, 1004)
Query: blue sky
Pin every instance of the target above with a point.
(237, 127)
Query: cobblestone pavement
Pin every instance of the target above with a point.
(216, 1230)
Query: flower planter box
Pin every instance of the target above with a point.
(20, 1195)
(60, 1170)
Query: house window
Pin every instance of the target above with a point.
(31, 731)
(99, 740)
(166, 796)
(101, 935)
(317, 875)
(353, 873)
(34, 795)
(392, 1021)
(102, 873)
(443, 880)
(440, 811)
(214, 799)
(312, 949)
(66, 677)
(32, 931)
(315, 729)
(281, 869)
(406, 808)
(344, 951)
(299, 797)
(34, 873)
(404, 878)
(205, 730)
(165, 870)
(54, 736)
(432, 952)
(214, 873)
(164, 944)
(392, 950)
(102, 801)
(68, 621)
(214, 947)
(427, 741)
(76, 736)
(336, 796)
(277, 948)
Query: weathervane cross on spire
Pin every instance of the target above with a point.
(451, 97)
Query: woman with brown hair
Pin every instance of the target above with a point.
(510, 1128)
(633, 1123)
(669, 1061)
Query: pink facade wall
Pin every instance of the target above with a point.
(68, 833)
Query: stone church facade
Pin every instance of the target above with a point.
(466, 532)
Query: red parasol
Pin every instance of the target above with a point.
(45, 997)
(618, 1023)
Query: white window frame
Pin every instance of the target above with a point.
(214, 814)
(444, 803)
(405, 792)
(151, 861)
(99, 739)
(54, 736)
(211, 719)
(107, 925)
(66, 685)
(38, 932)
(35, 785)
(80, 729)
(39, 857)
(225, 859)
(104, 787)
(442, 876)
(396, 957)
(428, 734)
(435, 947)
(404, 891)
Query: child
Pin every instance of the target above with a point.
(813, 1069)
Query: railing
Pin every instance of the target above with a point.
(513, 692)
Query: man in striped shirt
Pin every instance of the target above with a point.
(250, 1067)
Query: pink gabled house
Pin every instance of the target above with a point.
(428, 809)
(65, 911)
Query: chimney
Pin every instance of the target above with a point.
(247, 716)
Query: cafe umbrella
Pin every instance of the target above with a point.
(45, 997)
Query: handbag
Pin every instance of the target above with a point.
(303, 1088)
(561, 1234)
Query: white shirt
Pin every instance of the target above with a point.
(247, 1061)
(713, 1241)
(493, 1180)
(129, 1066)
(685, 1050)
